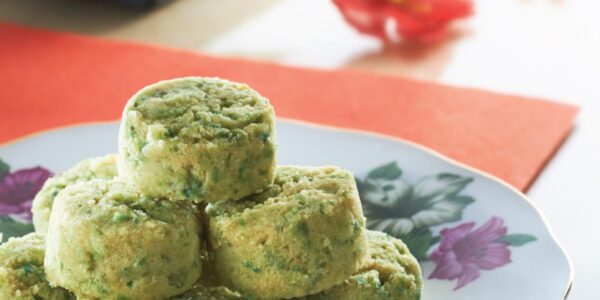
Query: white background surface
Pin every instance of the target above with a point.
(544, 48)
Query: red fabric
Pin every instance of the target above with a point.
(50, 79)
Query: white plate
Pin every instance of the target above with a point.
(495, 243)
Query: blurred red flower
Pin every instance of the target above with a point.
(423, 21)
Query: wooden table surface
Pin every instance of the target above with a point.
(542, 48)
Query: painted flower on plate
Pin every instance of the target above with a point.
(463, 252)
(394, 206)
(408, 211)
(17, 190)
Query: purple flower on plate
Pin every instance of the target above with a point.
(463, 252)
(17, 190)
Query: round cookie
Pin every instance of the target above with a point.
(106, 241)
(22, 274)
(302, 235)
(390, 272)
(199, 139)
(96, 168)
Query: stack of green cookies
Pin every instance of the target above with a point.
(194, 207)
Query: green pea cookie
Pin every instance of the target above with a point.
(303, 234)
(106, 241)
(199, 139)
(22, 274)
(390, 272)
(96, 168)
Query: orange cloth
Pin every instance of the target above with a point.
(50, 79)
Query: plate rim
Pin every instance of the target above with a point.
(363, 132)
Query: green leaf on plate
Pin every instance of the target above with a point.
(11, 228)
(517, 239)
(4, 168)
(434, 240)
(419, 241)
(359, 184)
(464, 200)
(388, 171)
(445, 210)
(432, 189)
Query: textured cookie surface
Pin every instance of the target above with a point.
(204, 292)
(96, 168)
(199, 139)
(390, 272)
(22, 274)
(304, 234)
(106, 241)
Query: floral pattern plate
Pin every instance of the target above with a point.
(476, 237)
